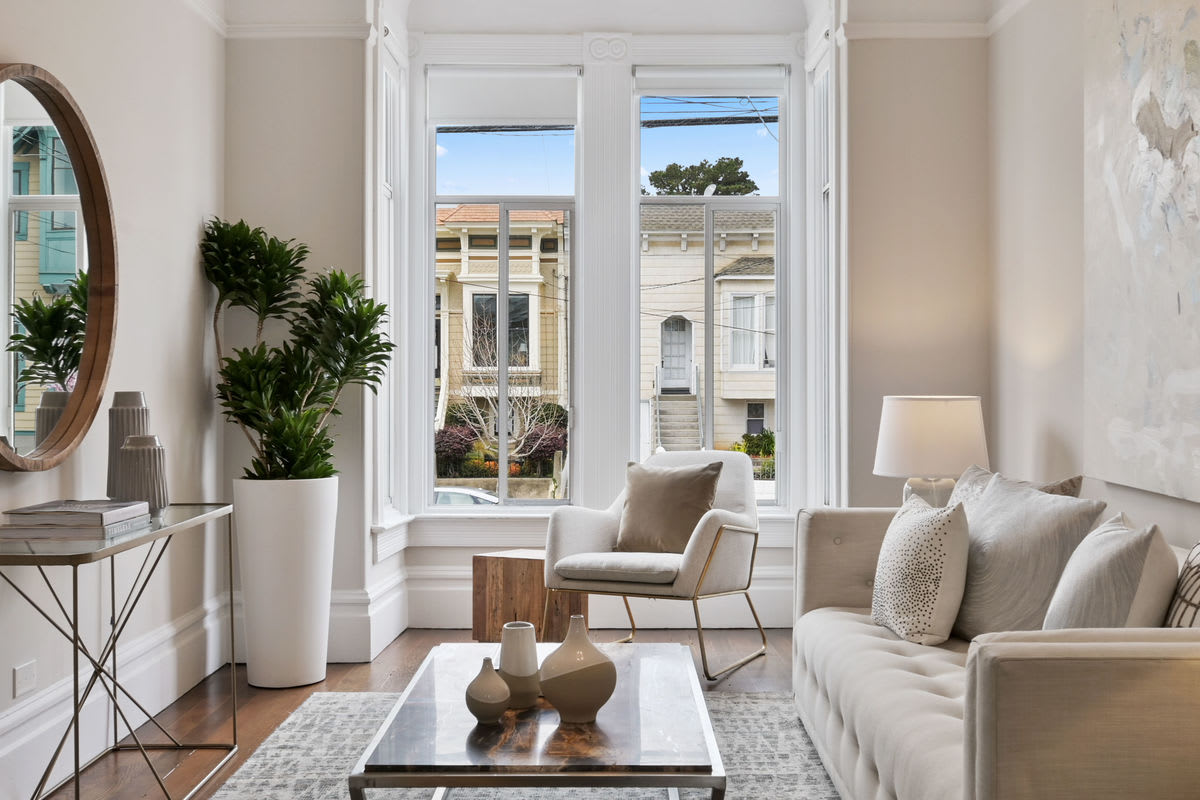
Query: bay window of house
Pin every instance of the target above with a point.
(502, 141)
(709, 244)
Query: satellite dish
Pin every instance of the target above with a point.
(710, 190)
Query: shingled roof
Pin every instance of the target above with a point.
(676, 218)
(749, 265)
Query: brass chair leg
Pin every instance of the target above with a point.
(632, 624)
(761, 651)
(546, 613)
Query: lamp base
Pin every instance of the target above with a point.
(935, 491)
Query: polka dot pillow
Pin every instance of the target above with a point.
(921, 572)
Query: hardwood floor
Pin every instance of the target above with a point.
(203, 714)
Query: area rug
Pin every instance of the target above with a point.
(766, 752)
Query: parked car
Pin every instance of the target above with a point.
(461, 496)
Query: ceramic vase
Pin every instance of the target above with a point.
(142, 466)
(577, 678)
(127, 417)
(47, 414)
(519, 664)
(487, 695)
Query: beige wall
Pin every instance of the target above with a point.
(1036, 88)
(917, 233)
(155, 105)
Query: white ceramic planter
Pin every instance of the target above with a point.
(285, 537)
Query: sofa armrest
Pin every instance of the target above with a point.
(574, 529)
(1096, 713)
(836, 551)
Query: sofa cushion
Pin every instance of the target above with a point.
(975, 479)
(1021, 539)
(663, 505)
(631, 567)
(886, 714)
(1116, 578)
(921, 570)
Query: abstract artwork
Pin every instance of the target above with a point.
(1142, 245)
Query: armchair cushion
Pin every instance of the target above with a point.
(663, 505)
(631, 567)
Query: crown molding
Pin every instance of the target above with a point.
(540, 49)
(686, 50)
(345, 30)
(209, 14)
(851, 31)
(1007, 10)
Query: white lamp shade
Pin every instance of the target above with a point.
(930, 437)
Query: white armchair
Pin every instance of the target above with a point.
(718, 559)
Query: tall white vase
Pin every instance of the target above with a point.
(127, 417)
(285, 537)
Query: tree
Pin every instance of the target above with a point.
(727, 174)
(532, 427)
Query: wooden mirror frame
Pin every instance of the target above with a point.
(101, 237)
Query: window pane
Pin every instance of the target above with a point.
(672, 327)
(744, 278)
(691, 143)
(506, 160)
(41, 154)
(538, 395)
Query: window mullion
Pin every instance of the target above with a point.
(502, 322)
(709, 328)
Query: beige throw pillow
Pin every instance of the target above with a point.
(1185, 606)
(921, 571)
(663, 505)
(972, 483)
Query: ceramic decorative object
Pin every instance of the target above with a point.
(487, 695)
(49, 411)
(142, 466)
(128, 416)
(519, 664)
(577, 678)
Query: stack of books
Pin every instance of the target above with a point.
(75, 519)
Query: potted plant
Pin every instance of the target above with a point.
(283, 397)
(49, 337)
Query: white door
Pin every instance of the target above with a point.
(676, 355)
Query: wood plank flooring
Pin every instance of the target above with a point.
(203, 714)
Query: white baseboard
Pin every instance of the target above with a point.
(363, 622)
(157, 668)
(440, 597)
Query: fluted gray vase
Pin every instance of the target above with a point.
(128, 416)
(143, 472)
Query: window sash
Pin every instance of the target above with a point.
(741, 334)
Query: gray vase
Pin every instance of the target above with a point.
(578, 678)
(128, 416)
(49, 411)
(142, 464)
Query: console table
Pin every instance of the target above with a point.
(42, 553)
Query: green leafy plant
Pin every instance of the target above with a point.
(283, 396)
(50, 335)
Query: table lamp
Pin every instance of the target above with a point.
(930, 440)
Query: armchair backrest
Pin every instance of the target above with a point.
(735, 487)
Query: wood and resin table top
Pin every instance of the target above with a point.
(655, 722)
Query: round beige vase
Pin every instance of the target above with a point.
(487, 695)
(285, 538)
(577, 678)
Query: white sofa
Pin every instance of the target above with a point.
(1086, 713)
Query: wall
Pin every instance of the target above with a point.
(155, 105)
(917, 220)
(1036, 107)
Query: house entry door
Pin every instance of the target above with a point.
(676, 355)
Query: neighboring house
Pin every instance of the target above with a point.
(672, 325)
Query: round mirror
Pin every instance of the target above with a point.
(58, 272)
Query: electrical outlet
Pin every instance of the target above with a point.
(24, 678)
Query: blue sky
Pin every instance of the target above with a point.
(542, 162)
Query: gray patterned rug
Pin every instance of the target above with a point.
(766, 752)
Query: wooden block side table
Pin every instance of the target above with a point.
(511, 585)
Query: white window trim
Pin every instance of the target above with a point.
(535, 327)
(758, 322)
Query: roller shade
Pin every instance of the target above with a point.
(769, 80)
(472, 96)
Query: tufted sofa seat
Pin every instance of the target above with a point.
(1099, 713)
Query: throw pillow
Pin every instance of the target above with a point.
(920, 573)
(663, 505)
(1020, 541)
(972, 483)
(1185, 607)
(1116, 578)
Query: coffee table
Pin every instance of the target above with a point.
(654, 731)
